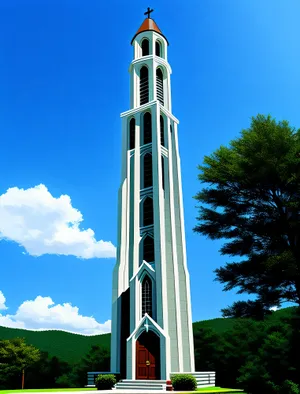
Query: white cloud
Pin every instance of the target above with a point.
(274, 308)
(43, 224)
(43, 314)
(2, 302)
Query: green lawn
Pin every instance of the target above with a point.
(210, 390)
(44, 390)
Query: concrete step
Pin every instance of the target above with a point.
(144, 385)
(143, 381)
(146, 388)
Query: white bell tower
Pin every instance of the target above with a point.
(151, 312)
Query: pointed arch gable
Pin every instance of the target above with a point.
(152, 326)
(144, 268)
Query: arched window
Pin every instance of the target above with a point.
(162, 131)
(147, 128)
(148, 249)
(132, 134)
(144, 85)
(148, 170)
(147, 296)
(148, 212)
(157, 48)
(163, 172)
(145, 47)
(160, 86)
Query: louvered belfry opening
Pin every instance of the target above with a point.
(148, 179)
(160, 86)
(162, 131)
(145, 47)
(148, 212)
(144, 85)
(148, 249)
(147, 128)
(132, 134)
(147, 296)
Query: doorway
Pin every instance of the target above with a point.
(148, 356)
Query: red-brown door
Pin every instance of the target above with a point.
(147, 356)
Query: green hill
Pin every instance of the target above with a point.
(71, 347)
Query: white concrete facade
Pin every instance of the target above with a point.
(171, 318)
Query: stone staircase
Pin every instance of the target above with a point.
(149, 385)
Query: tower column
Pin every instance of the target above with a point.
(151, 317)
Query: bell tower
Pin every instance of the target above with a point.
(151, 307)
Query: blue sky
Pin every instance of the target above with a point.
(63, 83)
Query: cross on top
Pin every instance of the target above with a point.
(148, 12)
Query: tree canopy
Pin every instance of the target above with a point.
(251, 199)
(15, 356)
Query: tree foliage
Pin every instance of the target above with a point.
(251, 199)
(44, 371)
(15, 356)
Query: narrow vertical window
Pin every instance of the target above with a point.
(157, 48)
(162, 131)
(148, 249)
(171, 129)
(148, 212)
(144, 85)
(147, 296)
(163, 172)
(145, 47)
(148, 170)
(160, 86)
(132, 134)
(147, 128)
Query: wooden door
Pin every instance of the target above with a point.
(147, 356)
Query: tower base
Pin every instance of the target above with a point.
(204, 379)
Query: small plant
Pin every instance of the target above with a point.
(105, 382)
(184, 382)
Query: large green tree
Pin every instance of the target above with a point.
(251, 199)
(15, 357)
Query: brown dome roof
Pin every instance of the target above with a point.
(149, 25)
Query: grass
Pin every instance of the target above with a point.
(44, 390)
(212, 390)
(72, 347)
(209, 390)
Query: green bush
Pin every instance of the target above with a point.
(289, 387)
(105, 382)
(184, 382)
(65, 381)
